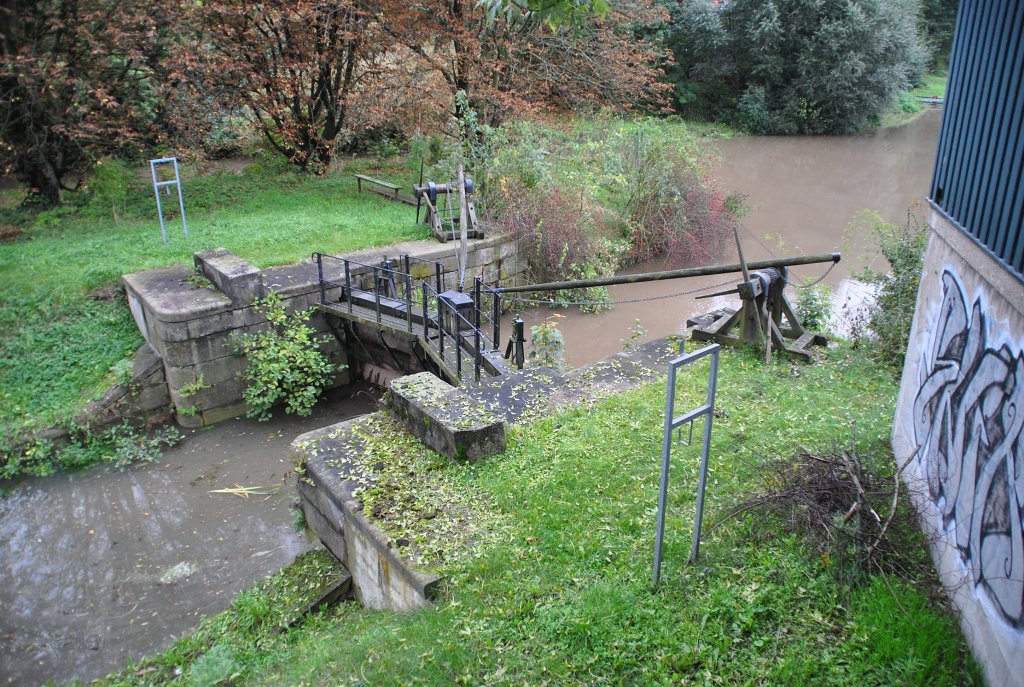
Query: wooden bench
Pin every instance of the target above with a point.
(360, 178)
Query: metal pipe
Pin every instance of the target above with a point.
(671, 274)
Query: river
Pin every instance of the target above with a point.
(106, 565)
(804, 193)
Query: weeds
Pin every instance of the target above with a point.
(284, 362)
(885, 323)
(121, 446)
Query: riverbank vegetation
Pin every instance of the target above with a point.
(592, 195)
(555, 582)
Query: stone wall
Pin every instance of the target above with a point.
(958, 432)
(192, 325)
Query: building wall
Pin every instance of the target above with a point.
(959, 433)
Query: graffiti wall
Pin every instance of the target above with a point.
(959, 435)
(968, 420)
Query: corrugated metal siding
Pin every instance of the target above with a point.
(978, 173)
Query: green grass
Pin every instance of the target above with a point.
(557, 589)
(909, 107)
(62, 326)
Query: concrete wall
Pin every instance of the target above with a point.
(958, 431)
(193, 327)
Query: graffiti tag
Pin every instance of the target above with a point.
(968, 420)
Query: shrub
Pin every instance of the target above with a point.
(285, 362)
(814, 306)
(889, 316)
(547, 345)
(559, 246)
(671, 211)
(796, 66)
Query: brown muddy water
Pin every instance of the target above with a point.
(104, 566)
(805, 192)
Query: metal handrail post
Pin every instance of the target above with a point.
(408, 300)
(496, 319)
(477, 354)
(320, 275)
(376, 291)
(440, 327)
(426, 328)
(348, 287)
(476, 302)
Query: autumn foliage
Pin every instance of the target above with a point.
(82, 79)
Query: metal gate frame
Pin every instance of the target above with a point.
(157, 185)
(673, 423)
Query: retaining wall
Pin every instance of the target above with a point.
(959, 433)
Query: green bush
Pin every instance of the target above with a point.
(285, 362)
(795, 66)
(814, 306)
(886, 322)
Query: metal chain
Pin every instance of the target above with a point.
(804, 287)
(565, 304)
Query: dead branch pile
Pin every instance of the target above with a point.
(846, 512)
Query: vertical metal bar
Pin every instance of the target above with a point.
(496, 319)
(666, 452)
(437, 277)
(705, 450)
(477, 354)
(159, 207)
(408, 300)
(376, 291)
(320, 275)
(181, 198)
(440, 327)
(426, 328)
(348, 287)
(408, 267)
(476, 303)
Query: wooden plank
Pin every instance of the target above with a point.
(379, 182)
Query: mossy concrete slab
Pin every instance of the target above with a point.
(445, 418)
(380, 578)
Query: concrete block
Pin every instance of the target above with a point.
(170, 295)
(236, 278)
(228, 412)
(228, 368)
(145, 362)
(445, 418)
(215, 346)
(168, 331)
(325, 519)
(215, 323)
(150, 398)
(178, 377)
(178, 354)
(223, 393)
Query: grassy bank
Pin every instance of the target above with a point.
(910, 106)
(63, 324)
(556, 588)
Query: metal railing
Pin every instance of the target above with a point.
(392, 292)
